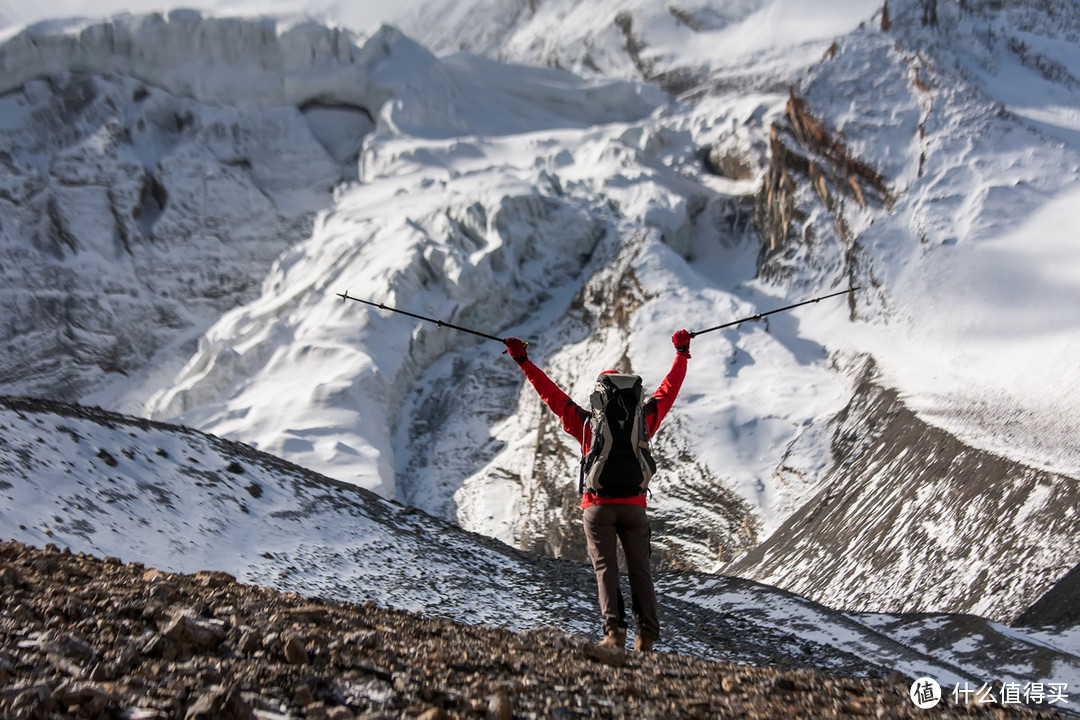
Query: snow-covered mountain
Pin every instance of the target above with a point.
(183, 196)
(182, 501)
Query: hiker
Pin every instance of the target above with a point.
(616, 515)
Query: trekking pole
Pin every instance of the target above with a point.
(772, 312)
(346, 296)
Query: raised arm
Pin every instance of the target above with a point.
(573, 416)
(664, 397)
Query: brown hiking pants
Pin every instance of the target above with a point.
(605, 527)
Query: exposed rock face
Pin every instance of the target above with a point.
(1058, 606)
(804, 153)
(133, 218)
(81, 637)
(942, 526)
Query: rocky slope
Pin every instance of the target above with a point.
(90, 638)
(920, 528)
(111, 485)
(181, 501)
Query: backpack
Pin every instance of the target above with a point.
(619, 463)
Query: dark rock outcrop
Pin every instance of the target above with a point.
(910, 513)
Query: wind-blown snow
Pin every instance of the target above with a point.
(991, 338)
(592, 38)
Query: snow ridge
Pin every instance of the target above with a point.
(230, 60)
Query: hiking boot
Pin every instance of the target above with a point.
(643, 644)
(614, 638)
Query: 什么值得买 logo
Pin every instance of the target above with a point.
(925, 693)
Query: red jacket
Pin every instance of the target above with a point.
(575, 419)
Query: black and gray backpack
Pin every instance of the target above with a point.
(619, 463)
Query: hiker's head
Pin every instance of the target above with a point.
(607, 372)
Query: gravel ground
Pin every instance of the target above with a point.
(91, 638)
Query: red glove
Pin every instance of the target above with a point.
(681, 341)
(517, 348)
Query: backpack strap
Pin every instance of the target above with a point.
(650, 407)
